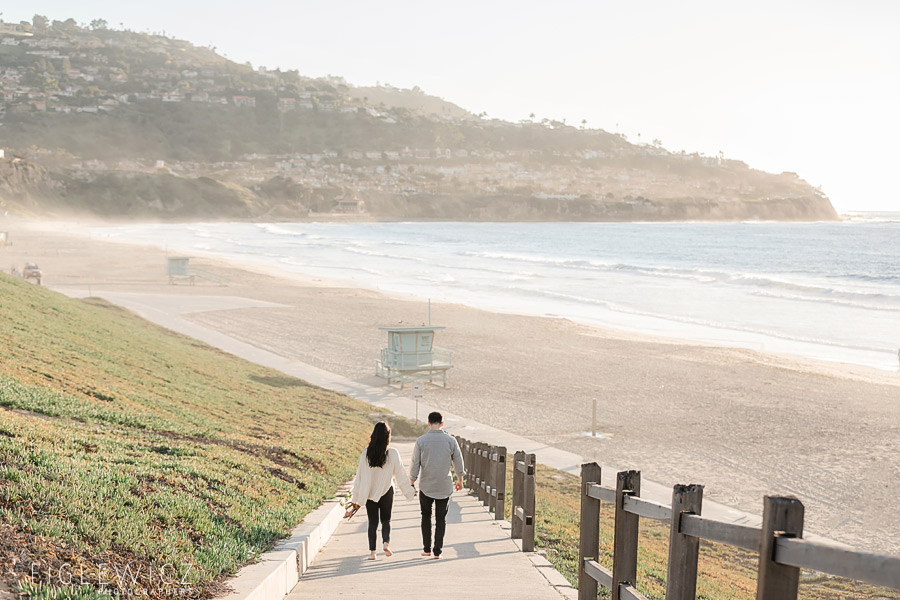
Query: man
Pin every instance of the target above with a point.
(433, 456)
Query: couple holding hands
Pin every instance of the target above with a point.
(433, 455)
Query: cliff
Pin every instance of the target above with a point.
(117, 123)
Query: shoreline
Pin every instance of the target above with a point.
(744, 423)
(661, 328)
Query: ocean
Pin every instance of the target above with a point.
(828, 291)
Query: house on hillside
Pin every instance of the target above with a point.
(286, 104)
(18, 29)
(350, 206)
(248, 101)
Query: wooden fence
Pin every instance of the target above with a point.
(782, 549)
(486, 477)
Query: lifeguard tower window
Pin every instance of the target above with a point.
(411, 356)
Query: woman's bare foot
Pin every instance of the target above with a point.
(387, 551)
(426, 554)
(438, 556)
(372, 555)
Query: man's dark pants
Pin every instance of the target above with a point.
(440, 522)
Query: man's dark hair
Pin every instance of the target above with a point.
(435, 418)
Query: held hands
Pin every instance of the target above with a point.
(351, 510)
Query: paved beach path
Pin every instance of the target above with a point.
(480, 560)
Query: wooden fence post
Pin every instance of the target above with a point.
(528, 503)
(518, 480)
(467, 460)
(492, 479)
(483, 450)
(476, 451)
(782, 517)
(589, 544)
(500, 483)
(625, 545)
(684, 550)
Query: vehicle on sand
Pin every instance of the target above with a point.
(32, 271)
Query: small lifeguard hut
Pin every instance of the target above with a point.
(178, 270)
(411, 355)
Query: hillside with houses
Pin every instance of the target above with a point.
(117, 123)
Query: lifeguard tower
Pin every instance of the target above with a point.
(411, 355)
(178, 269)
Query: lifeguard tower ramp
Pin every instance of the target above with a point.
(411, 355)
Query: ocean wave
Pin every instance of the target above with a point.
(708, 276)
(279, 230)
(709, 323)
(379, 254)
(848, 299)
(438, 278)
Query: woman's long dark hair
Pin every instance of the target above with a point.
(376, 453)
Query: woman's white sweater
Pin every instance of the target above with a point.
(371, 483)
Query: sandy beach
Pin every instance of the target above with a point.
(742, 423)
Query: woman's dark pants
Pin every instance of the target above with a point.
(380, 510)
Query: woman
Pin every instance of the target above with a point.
(378, 465)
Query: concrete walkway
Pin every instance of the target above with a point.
(479, 559)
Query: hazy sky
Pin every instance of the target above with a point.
(811, 87)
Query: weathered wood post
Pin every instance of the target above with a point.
(625, 544)
(684, 550)
(528, 502)
(470, 465)
(479, 474)
(518, 479)
(782, 517)
(492, 478)
(589, 543)
(500, 483)
(476, 456)
(467, 459)
(485, 472)
(473, 465)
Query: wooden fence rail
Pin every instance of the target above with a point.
(782, 549)
(780, 544)
(486, 477)
(486, 474)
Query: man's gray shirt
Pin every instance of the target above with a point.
(433, 455)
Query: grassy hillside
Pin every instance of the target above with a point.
(125, 448)
(726, 573)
